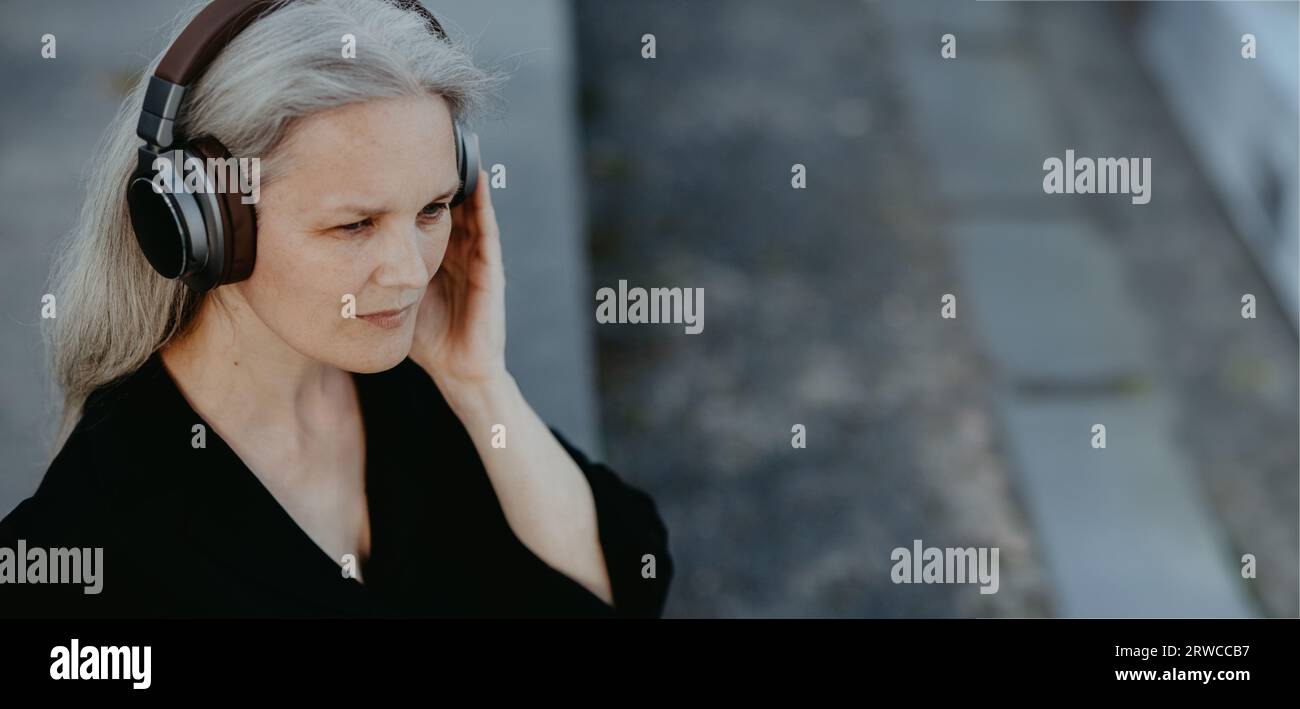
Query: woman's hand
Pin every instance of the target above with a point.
(460, 331)
(460, 340)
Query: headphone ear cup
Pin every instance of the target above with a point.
(234, 242)
(205, 237)
(177, 228)
(162, 224)
(467, 163)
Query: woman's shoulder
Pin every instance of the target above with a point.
(114, 454)
(116, 485)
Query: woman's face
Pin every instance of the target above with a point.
(358, 216)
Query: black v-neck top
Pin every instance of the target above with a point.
(192, 532)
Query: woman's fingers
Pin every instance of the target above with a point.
(486, 218)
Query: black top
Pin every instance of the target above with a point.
(194, 533)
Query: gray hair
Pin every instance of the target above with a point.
(115, 311)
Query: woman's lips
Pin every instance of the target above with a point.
(387, 319)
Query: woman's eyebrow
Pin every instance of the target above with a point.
(359, 208)
(449, 191)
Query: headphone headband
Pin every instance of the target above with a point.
(205, 36)
(198, 44)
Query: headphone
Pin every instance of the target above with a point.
(203, 237)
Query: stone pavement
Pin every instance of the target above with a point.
(1062, 292)
(925, 178)
(821, 310)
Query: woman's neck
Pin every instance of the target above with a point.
(294, 422)
(235, 371)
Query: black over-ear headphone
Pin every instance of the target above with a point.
(203, 237)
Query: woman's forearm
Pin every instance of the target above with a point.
(545, 496)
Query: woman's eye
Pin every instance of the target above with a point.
(357, 226)
(433, 211)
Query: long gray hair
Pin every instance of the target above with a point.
(114, 310)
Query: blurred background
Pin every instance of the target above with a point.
(823, 305)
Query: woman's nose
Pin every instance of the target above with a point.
(402, 265)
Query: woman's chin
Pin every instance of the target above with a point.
(378, 356)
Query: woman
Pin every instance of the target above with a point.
(337, 434)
